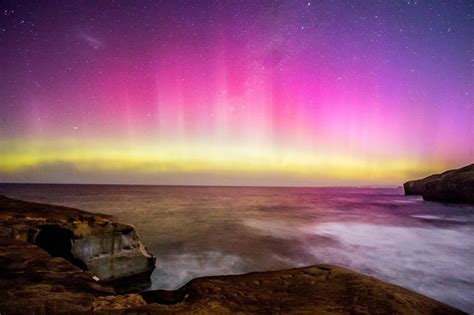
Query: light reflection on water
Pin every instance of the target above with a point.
(199, 231)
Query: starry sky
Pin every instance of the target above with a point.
(235, 92)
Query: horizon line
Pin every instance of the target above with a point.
(194, 185)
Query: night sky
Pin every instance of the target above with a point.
(235, 92)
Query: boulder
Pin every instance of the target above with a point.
(451, 186)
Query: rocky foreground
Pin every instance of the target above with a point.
(111, 251)
(451, 186)
(32, 281)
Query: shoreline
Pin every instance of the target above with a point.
(388, 186)
(65, 287)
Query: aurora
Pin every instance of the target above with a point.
(235, 93)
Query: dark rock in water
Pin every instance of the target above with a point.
(450, 186)
(416, 187)
(112, 251)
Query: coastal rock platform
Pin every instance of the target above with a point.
(318, 289)
(33, 282)
(111, 251)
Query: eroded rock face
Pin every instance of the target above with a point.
(110, 250)
(450, 186)
(33, 282)
(129, 256)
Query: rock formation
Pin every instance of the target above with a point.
(319, 289)
(451, 186)
(33, 282)
(111, 251)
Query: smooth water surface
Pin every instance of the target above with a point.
(198, 231)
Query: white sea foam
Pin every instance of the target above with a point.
(419, 258)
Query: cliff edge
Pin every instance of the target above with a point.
(451, 186)
(111, 251)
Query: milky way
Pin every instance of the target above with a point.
(235, 92)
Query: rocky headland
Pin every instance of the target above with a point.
(455, 186)
(61, 260)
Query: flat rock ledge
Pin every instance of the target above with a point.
(455, 186)
(34, 282)
(318, 289)
(111, 251)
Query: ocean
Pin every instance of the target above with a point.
(199, 231)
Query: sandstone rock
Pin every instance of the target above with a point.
(320, 289)
(112, 251)
(32, 282)
(450, 186)
(115, 302)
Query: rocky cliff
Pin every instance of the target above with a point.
(109, 250)
(451, 186)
